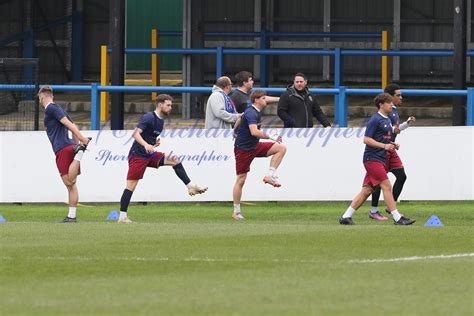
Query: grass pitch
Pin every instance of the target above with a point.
(191, 259)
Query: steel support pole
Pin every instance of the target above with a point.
(117, 43)
(197, 61)
(327, 28)
(77, 46)
(459, 61)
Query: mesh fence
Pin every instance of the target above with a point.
(19, 108)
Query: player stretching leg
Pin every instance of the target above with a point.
(248, 146)
(68, 152)
(378, 140)
(144, 154)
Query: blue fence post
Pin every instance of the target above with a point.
(337, 81)
(77, 46)
(470, 107)
(95, 107)
(29, 44)
(263, 59)
(219, 62)
(340, 110)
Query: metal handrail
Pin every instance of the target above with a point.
(340, 107)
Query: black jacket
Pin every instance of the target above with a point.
(297, 110)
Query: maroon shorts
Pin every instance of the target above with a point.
(64, 158)
(376, 173)
(394, 161)
(137, 165)
(243, 158)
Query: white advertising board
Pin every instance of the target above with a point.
(321, 164)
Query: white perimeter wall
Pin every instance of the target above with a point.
(321, 164)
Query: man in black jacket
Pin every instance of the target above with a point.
(297, 106)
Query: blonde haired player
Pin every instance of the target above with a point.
(68, 153)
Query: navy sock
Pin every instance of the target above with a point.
(125, 200)
(181, 173)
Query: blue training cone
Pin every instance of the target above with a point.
(114, 215)
(433, 221)
(2, 219)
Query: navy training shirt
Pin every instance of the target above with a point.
(395, 119)
(380, 129)
(151, 126)
(245, 141)
(56, 131)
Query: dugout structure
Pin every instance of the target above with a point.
(19, 106)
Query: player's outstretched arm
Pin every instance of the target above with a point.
(74, 130)
(406, 124)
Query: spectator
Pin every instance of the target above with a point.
(220, 110)
(241, 95)
(297, 106)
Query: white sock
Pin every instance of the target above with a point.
(122, 214)
(396, 215)
(373, 210)
(236, 208)
(189, 185)
(271, 172)
(349, 212)
(78, 156)
(72, 212)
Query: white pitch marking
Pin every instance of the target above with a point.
(283, 260)
(458, 255)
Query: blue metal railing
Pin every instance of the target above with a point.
(338, 54)
(284, 34)
(265, 35)
(28, 39)
(340, 108)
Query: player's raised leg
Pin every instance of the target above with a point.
(277, 152)
(178, 167)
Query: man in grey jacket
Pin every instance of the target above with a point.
(220, 110)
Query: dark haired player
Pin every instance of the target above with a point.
(143, 154)
(395, 164)
(379, 145)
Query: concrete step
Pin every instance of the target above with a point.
(354, 110)
(131, 120)
(404, 112)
